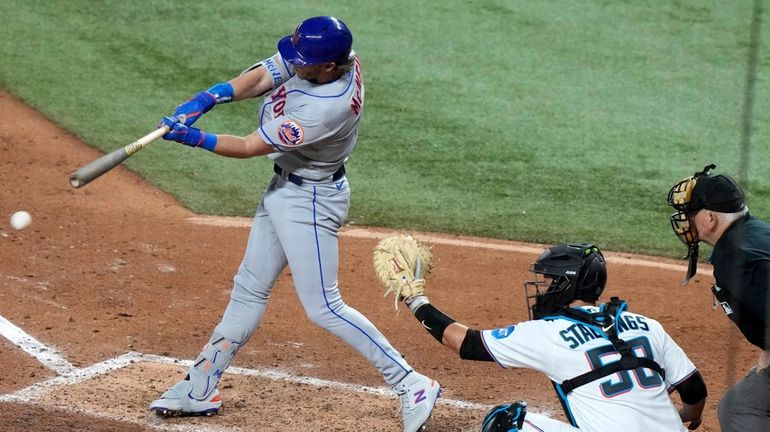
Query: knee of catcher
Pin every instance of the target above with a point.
(505, 418)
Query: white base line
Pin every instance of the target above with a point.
(240, 222)
(69, 375)
(45, 355)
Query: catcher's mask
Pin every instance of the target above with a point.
(505, 418)
(702, 190)
(563, 273)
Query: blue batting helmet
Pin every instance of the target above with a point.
(317, 40)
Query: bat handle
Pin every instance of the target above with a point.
(109, 161)
(143, 141)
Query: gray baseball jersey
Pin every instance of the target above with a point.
(313, 127)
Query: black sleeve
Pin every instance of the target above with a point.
(693, 389)
(473, 348)
(761, 273)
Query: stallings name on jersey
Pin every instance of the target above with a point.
(578, 334)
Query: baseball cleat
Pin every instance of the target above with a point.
(418, 395)
(177, 402)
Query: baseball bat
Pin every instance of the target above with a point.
(96, 168)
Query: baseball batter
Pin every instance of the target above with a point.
(611, 369)
(308, 125)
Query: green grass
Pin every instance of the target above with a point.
(538, 121)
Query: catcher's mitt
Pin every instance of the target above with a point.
(402, 264)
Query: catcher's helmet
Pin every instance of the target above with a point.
(505, 418)
(317, 40)
(563, 273)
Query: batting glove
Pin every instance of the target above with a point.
(203, 101)
(190, 136)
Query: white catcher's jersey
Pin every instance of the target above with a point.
(562, 349)
(313, 127)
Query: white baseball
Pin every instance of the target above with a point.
(21, 220)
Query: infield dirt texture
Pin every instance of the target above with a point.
(119, 281)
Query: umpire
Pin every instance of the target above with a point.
(711, 208)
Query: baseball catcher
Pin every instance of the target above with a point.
(610, 368)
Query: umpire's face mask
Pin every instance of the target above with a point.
(680, 198)
(684, 227)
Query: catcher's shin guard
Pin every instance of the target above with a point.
(197, 394)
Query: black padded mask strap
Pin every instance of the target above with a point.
(692, 263)
(628, 361)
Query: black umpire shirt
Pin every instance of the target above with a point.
(741, 260)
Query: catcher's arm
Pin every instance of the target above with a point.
(454, 335)
(693, 393)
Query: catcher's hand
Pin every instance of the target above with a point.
(402, 263)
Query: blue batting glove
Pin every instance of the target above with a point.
(195, 107)
(203, 101)
(190, 136)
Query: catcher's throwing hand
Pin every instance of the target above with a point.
(402, 263)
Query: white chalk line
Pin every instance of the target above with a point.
(45, 355)
(240, 222)
(69, 375)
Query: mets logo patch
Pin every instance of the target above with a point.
(291, 133)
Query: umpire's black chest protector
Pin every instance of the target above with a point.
(605, 319)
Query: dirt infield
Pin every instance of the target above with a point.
(115, 281)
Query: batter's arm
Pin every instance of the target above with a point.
(251, 84)
(251, 145)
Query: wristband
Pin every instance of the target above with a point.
(433, 320)
(415, 302)
(223, 92)
(209, 141)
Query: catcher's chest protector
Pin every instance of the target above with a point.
(604, 323)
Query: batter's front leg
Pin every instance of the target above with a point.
(264, 260)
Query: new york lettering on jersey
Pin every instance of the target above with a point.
(296, 116)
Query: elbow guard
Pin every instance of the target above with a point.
(473, 348)
(693, 389)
